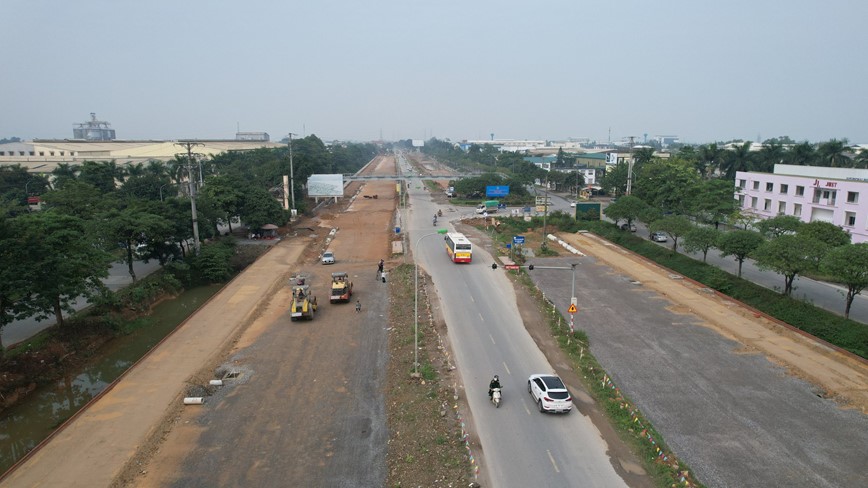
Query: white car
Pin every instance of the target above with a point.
(549, 393)
(328, 257)
(658, 237)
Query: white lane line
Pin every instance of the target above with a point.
(492, 339)
(525, 408)
(507, 369)
(554, 464)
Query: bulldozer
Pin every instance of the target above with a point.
(342, 288)
(303, 303)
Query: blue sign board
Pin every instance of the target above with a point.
(518, 239)
(496, 190)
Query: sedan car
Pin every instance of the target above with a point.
(549, 393)
(328, 257)
(658, 237)
(630, 227)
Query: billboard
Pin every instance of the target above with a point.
(418, 143)
(325, 186)
(497, 190)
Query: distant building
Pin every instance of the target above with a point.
(811, 193)
(252, 136)
(666, 141)
(44, 155)
(93, 130)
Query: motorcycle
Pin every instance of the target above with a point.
(495, 397)
(435, 220)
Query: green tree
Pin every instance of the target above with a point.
(675, 225)
(825, 232)
(849, 265)
(667, 184)
(258, 208)
(133, 226)
(15, 292)
(225, 195)
(213, 262)
(778, 226)
(614, 181)
(739, 244)
(713, 201)
(649, 215)
(65, 262)
(626, 208)
(701, 239)
(790, 255)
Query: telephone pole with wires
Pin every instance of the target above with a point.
(192, 182)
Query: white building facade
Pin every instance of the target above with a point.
(811, 193)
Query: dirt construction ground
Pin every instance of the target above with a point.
(302, 401)
(291, 379)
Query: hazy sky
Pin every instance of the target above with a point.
(458, 69)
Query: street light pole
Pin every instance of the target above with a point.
(416, 301)
(161, 191)
(291, 175)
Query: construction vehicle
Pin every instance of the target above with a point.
(303, 303)
(342, 288)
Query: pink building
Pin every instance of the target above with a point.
(809, 193)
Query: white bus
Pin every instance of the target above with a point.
(458, 247)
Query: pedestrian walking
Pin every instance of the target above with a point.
(380, 268)
(358, 306)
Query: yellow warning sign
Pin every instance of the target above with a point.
(572, 308)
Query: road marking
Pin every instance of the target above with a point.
(492, 339)
(525, 408)
(507, 369)
(554, 464)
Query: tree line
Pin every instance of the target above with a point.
(98, 212)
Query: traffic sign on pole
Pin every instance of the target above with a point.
(572, 308)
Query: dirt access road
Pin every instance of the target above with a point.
(273, 425)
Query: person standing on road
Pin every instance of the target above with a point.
(380, 268)
(358, 306)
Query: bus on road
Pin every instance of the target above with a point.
(458, 247)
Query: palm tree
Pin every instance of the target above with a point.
(832, 153)
(739, 159)
(710, 158)
(802, 154)
(772, 153)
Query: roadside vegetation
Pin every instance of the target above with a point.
(96, 213)
(426, 443)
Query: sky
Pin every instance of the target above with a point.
(456, 69)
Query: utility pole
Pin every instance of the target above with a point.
(544, 246)
(630, 169)
(291, 174)
(192, 182)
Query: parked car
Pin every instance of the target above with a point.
(659, 237)
(549, 393)
(630, 227)
(328, 257)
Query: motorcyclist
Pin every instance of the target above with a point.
(495, 383)
(435, 219)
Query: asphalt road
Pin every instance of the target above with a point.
(827, 296)
(521, 446)
(734, 417)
